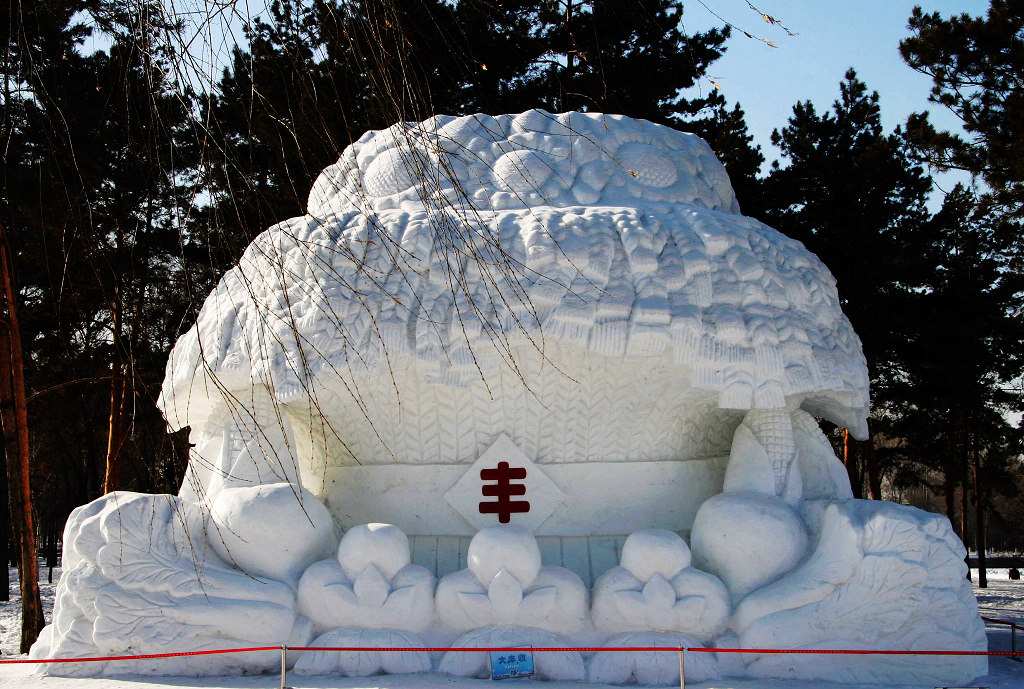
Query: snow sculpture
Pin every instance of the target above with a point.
(883, 576)
(748, 540)
(271, 530)
(832, 572)
(661, 601)
(554, 322)
(655, 589)
(551, 665)
(369, 595)
(652, 668)
(134, 584)
(601, 260)
(243, 442)
(370, 584)
(505, 584)
(368, 662)
(506, 595)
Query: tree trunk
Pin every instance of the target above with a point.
(5, 536)
(14, 419)
(850, 460)
(568, 83)
(868, 452)
(979, 518)
(52, 538)
(963, 515)
(949, 493)
(115, 433)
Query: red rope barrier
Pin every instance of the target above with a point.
(140, 657)
(593, 649)
(853, 651)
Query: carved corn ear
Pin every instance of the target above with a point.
(773, 429)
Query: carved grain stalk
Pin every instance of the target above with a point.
(14, 420)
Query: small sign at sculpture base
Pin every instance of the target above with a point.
(508, 664)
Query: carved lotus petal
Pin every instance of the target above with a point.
(659, 594)
(371, 587)
(505, 593)
(542, 601)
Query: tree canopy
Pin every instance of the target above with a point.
(977, 69)
(851, 193)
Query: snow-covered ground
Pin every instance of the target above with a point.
(10, 611)
(1003, 599)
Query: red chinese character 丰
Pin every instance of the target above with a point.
(504, 506)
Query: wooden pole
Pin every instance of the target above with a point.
(14, 419)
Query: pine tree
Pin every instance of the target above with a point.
(726, 131)
(35, 37)
(314, 78)
(852, 195)
(317, 75)
(622, 57)
(962, 344)
(975, 64)
(106, 140)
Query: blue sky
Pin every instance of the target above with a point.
(831, 36)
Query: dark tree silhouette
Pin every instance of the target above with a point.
(977, 69)
(851, 194)
(962, 344)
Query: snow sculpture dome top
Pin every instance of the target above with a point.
(534, 159)
(582, 282)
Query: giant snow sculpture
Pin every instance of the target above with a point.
(545, 332)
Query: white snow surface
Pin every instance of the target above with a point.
(303, 526)
(440, 252)
(505, 584)
(371, 584)
(1003, 599)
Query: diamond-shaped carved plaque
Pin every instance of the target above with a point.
(497, 495)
